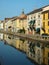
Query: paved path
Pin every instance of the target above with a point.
(39, 38)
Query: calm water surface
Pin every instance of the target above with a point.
(11, 56)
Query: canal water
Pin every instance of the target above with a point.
(13, 51)
(19, 51)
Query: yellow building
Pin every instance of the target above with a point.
(17, 43)
(15, 24)
(46, 55)
(20, 23)
(23, 45)
(45, 20)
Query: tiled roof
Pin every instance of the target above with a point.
(23, 16)
(13, 19)
(8, 18)
(37, 10)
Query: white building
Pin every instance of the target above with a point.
(35, 15)
(1, 24)
(7, 24)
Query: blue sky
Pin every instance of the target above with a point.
(10, 8)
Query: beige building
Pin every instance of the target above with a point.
(16, 24)
(16, 42)
(46, 55)
(39, 53)
(7, 24)
(20, 23)
(1, 25)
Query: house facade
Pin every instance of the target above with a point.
(35, 17)
(7, 24)
(45, 20)
(1, 25)
(20, 23)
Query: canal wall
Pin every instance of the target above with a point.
(28, 36)
(35, 50)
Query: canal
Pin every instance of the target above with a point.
(19, 51)
(9, 55)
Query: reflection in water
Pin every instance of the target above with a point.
(36, 51)
(1, 36)
(1, 60)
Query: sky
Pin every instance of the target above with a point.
(11, 8)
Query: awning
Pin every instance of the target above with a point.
(9, 27)
(34, 28)
(43, 29)
(38, 30)
(32, 22)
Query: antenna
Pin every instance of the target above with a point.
(22, 11)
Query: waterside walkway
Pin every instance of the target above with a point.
(28, 36)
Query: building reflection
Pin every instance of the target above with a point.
(1, 36)
(1, 60)
(16, 42)
(36, 51)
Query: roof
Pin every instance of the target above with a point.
(13, 19)
(8, 18)
(45, 6)
(37, 10)
(45, 11)
(1, 21)
(23, 16)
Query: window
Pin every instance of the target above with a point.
(38, 22)
(48, 30)
(38, 44)
(48, 61)
(34, 17)
(31, 55)
(31, 17)
(38, 16)
(28, 18)
(48, 15)
(43, 16)
(19, 21)
(48, 54)
(44, 25)
(48, 23)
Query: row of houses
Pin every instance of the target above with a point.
(34, 22)
(39, 20)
